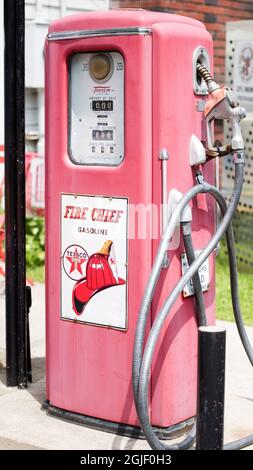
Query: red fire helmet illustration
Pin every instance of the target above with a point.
(99, 276)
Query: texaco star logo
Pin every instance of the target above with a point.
(246, 63)
(74, 261)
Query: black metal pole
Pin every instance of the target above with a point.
(21, 255)
(16, 318)
(29, 359)
(10, 194)
(211, 387)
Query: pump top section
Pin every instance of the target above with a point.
(112, 20)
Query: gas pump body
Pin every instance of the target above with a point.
(103, 140)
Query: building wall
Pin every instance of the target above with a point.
(52, 9)
(214, 13)
(38, 15)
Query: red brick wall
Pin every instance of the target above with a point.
(214, 13)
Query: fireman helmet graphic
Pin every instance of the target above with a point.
(101, 273)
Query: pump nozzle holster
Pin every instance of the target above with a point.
(222, 105)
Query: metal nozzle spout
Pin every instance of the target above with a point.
(205, 74)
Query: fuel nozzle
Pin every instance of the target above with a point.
(222, 105)
(207, 77)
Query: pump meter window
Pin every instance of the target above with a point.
(96, 108)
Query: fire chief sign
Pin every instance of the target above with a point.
(94, 260)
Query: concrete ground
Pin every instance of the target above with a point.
(23, 425)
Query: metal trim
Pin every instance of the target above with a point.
(134, 432)
(200, 54)
(87, 33)
(164, 156)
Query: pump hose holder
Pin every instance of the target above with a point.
(221, 105)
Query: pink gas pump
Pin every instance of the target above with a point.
(114, 87)
(126, 118)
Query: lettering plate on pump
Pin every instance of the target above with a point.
(204, 275)
(94, 260)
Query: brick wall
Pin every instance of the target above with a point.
(214, 13)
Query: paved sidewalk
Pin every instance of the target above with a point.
(24, 426)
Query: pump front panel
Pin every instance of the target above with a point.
(93, 284)
(96, 108)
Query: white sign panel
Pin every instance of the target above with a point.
(94, 260)
(243, 71)
(37, 170)
(97, 110)
(203, 275)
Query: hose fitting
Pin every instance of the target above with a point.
(207, 77)
(199, 177)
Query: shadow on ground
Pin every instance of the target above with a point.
(38, 387)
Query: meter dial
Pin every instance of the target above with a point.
(101, 67)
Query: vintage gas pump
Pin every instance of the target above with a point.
(126, 116)
(119, 90)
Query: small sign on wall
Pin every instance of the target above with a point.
(94, 260)
(243, 72)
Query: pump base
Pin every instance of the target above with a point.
(127, 430)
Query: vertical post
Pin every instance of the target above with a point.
(211, 387)
(16, 318)
(29, 359)
(21, 255)
(10, 194)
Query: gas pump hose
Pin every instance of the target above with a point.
(142, 361)
(200, 306)
(199, 297)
